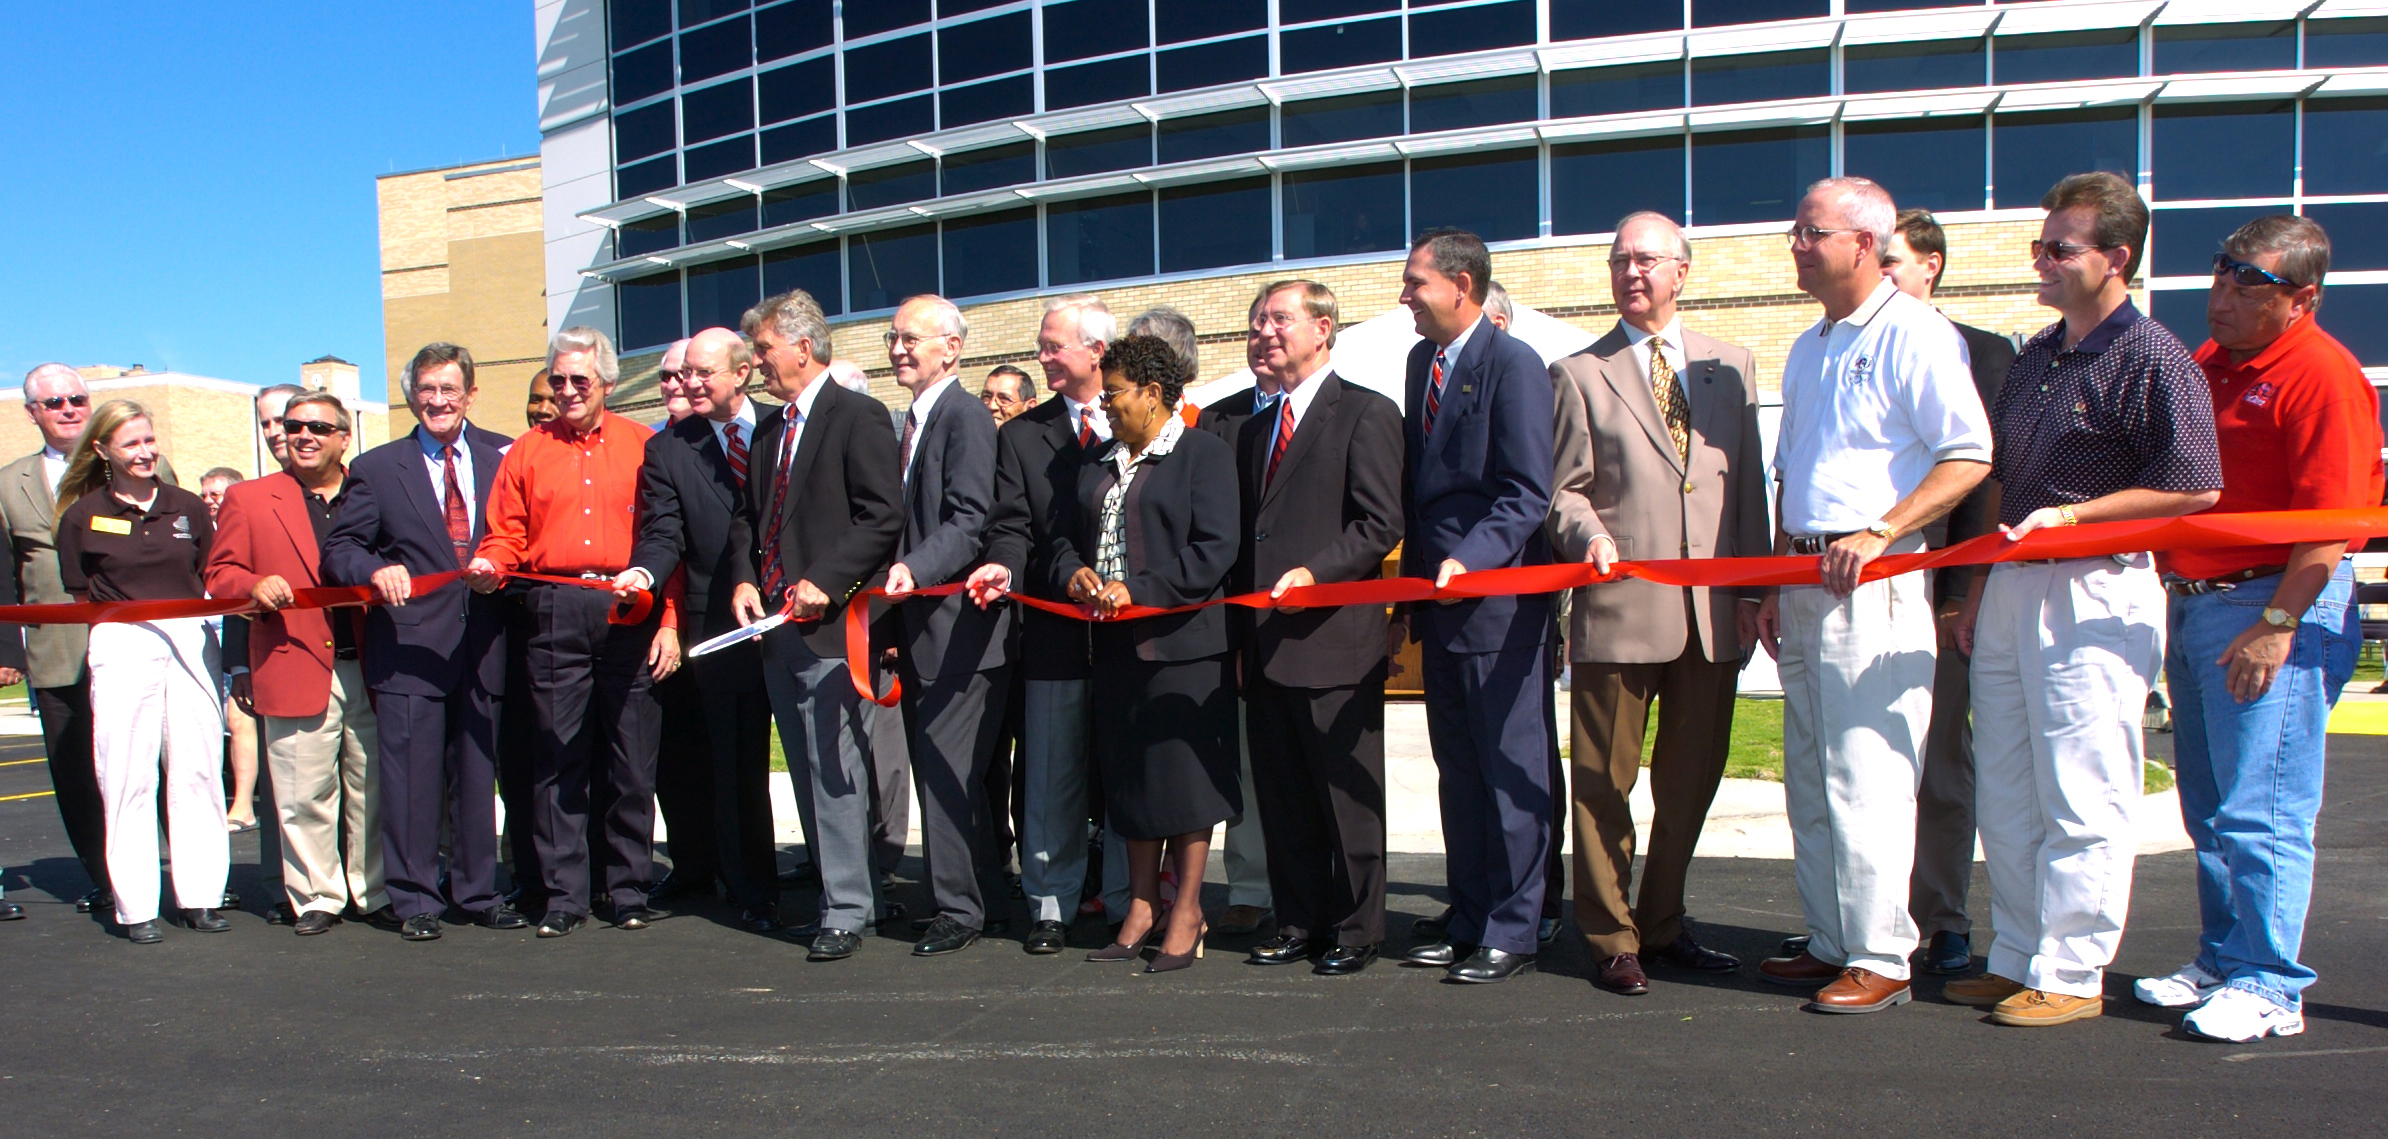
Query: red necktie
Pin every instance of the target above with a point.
(1285, 430)
(1086, 435)
(772, 573)
(1434, 393)
(460, 523)
(737, 453)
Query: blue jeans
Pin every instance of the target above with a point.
(2250, 777)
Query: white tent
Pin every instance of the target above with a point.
(1374, 352)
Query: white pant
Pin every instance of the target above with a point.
(2063, 656)
(153, 707)
(1857, 703)
(327, 793)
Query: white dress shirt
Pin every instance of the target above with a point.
(1101, 422)
(1638, 343)
(1296, 404)
(745, 419)
(919, 414)
(53, 464)
(799, 411)
(436, 464)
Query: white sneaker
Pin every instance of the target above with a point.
(2188, 987)
(2241, 1016)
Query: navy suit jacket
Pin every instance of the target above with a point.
(694, 517)
(1038, 461)
(1479, 488)
(390, 515)
(949, 505)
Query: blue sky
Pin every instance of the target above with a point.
(190, 186)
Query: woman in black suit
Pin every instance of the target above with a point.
(1158, 524)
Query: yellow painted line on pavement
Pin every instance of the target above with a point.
(2368, 718)
(27, 795)
(21, 762)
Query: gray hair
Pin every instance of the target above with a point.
(2301, 242)
(795, 315)
(1865, 206)
(60, 373)
(582, 338)
(1682, 244)
(224, 475)
(950, 321)
(1176, 330)
(1096, 325)
(1317, 300)
(325, 399)
(435, 355)
(1497, 303)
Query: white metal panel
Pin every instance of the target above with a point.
(1612, 126)
(1201, 102)
(2030, 19)
(2231, 11)
(1768, 114)
(1908, 27)
(2286, 84)
(1612, 53)
(1207, 171)
(1092, 118)
(1330, 156)
(571, 70)
(2048, 96)
(1763, 37)
(1381, 79)
(1475, 67)
(1465, 140)
(1918, 104)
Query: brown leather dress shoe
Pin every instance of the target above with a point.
(1623, 976)
(1860, 990)
(2035, 1008)
(1804, 969)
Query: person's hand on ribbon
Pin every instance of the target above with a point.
(988, 584)
(272, 593)
(1603, 554)
(2045, 518)
(484, 576)
(1442, 578)
(1844, 562)
(393, 585)
(1294, 578)
(899, 582)
(630, 583)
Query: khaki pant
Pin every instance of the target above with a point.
(327, 794)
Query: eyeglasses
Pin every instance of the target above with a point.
(909, 340)
(442, 393)
(2251, 276)
(315, 427)
(670, 375)
(1806, 236)
(576, 383)
(2060, 250)
(1277, 321)
(58, 401)
(1647, 262)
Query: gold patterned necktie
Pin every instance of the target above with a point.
(1673, 407)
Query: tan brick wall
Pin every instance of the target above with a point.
(463, 260)
(198, 427)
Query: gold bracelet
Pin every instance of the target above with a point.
(2066, 513)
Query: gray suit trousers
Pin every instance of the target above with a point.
(953, 722)
(822, 731)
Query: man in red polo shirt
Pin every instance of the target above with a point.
(2261, 636)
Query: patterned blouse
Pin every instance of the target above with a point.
(1111, 549)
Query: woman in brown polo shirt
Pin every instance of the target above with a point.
(126, 535)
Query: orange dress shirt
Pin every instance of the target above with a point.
(567, 503)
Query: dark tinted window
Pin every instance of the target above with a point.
(2224, 150)
(982, 48)
(638, 74)
(1371, 114)
(1615, 90)
(2184, 48)
(1083, 28)
(993, 253)
(1344, 210)
(871, 16)
(1209, 136)
(727, 218)
(694, 12)
(883, 268)
(720, 292)
(715, 159)
(1453, 31)
(1938, 164)
(716, 50)
(1127, 77)
(1717, 13)
(1339, 45)
(2346, 43)
(1495, 196)
(1585, 19)
(899, 119)
(2109, 53)
(635, 22)
(647, 177)
(2358, 316)
(960, 7)
(797, 90)
(1220, 61)
(1099, 239)
(2182, 312)
(1594, 184)
(646, 235)
(2358, 235)
(2346, 146)
(1304, 11)
(2034, 151)
(970, 171)
(985, 102)
(803, 201)
(1215, 224)
(801, 139)
(1175, 21)
(1918, 66)
(812, 268)
(650, 310)
(891, 185)
(786, 29)
(715, 111)
(1094, 152)
(642, 132)
(1761, 76)
(889, 68)
(1752, 176)
(1451, 106)
(2182, 243)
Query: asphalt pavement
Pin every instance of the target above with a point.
(694, 1027)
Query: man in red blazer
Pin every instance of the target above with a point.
(303, 674)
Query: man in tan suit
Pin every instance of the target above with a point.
(1657, 456)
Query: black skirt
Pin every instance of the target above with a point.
(1165, 739)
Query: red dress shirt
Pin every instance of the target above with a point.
(566, 503)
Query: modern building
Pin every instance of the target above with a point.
(462, 260)
(701, 154)
(204, 422)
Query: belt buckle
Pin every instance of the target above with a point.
(593, 575)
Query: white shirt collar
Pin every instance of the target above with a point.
(927, 400)
(1634, 337)
(1866, 312)
(745, 418)
(1300, 398)
(53, 454)
(804, 401)
(1451, 351)
(1101, 422)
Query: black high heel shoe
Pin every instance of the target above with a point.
(1172, 962)
(1120, 951)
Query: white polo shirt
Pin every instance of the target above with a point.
(1870, 403)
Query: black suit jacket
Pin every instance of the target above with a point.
(1335, 509)
(1036, 490)
(694, 517)
(1992, 355)
(949, 503)
(1478, 489)
(1182, 534)
(1225, 417)
(390, 514)
(844, 508)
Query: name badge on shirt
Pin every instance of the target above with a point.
(111, 525)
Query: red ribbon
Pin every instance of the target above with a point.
(630, 612)
(2090, 540)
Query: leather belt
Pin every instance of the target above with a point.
(2184, 586)
(1816, 543)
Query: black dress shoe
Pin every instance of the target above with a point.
(280, 913)
(759, 919)
(806, 874)
(1622, 975)
(231, 901)
(1546, 932)
(1686, 953)
(1285, 949)
(834, 945)
(314, 922)
(634, 917)
(680, 885)
(1794, 946)
(1488, 965)
(99, 900)
(1345, 960)
(421, 927)
(10, 911)
(501, 916)
(385, 919)
(1950, 953)
(1436, 926)
(944, 935)
(560, 923)
(1441, 953)
(145, 933)
(205, 921)
(1046, 938)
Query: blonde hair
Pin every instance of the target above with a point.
(86, 468)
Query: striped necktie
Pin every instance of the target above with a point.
(737, 450)
(1285, 433)
(1434, 393)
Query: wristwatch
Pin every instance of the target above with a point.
(2280, 618)
(1882, 530)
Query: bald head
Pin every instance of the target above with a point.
(718, 366)
(62, 424)
(848, 375)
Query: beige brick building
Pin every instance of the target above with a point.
(203, 422)
(462, 261)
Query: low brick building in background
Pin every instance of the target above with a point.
(462, 258)
(204, 422)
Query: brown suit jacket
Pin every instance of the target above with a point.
(1616, 473)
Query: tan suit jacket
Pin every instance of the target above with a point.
(53, 653)
(1617, 473)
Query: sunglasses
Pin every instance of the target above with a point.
(59, 401)
(2251, 276)
(2060, 250)
(315, 427)
(576, 383)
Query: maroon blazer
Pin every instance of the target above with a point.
(263, 531)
